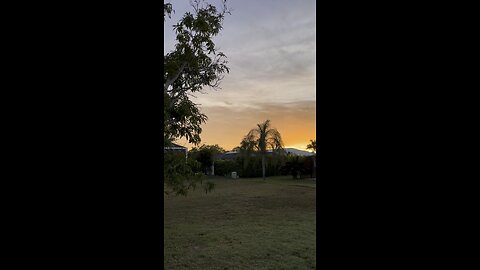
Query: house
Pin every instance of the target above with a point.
(176, 148)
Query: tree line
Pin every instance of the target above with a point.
(260, 154)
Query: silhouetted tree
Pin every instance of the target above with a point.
(313, 145)
(294, 166)
(206, 155)
(193, 64)
(261, 139)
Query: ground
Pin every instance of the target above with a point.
(242, 224)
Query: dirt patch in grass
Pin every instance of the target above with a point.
(242, 224)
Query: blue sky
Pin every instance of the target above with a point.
(270, 47)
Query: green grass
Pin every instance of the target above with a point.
(242, 224)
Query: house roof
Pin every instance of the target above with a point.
(175, 146)
(228, 155)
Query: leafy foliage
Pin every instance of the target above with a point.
(225, 167)
(298, 166)
(167, 10)
(193, 65)
(294, 166)
(252, 166)
(180, 175)
(205, 155)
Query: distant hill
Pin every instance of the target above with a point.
(294, 151)
(298, 152)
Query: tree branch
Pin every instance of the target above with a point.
(172, 80)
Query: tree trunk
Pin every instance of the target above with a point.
(263, 167)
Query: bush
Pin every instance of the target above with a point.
(296, 166)
(308, 169)
(252, 167)
(194, 165)
(179, 176)
(225, 167)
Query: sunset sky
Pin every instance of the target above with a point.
(270, 45)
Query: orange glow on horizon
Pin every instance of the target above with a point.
(226, 127)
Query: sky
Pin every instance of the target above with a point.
(270, 48)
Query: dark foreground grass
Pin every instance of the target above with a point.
(242, 224)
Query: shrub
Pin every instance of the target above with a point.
(252, 166)
(179, 176)
(225, 167)
(194, 165)
(295, 166)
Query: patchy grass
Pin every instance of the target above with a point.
(242, 224)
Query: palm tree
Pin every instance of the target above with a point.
(313, 147)
(264, 137)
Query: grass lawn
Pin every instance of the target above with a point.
(243, 224)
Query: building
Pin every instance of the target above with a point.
(176, 148)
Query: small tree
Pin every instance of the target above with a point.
(294, 166)
(177, 171)
(206, 155)
(313, 146)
